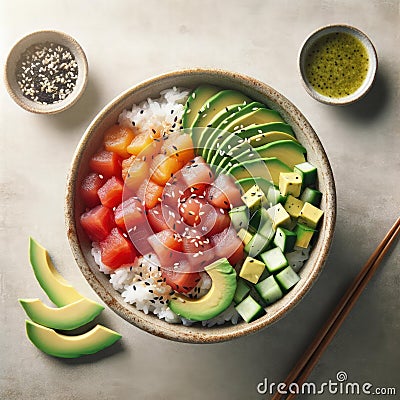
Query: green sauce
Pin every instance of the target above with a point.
(336, 65)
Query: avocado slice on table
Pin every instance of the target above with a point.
(69, 317)
(193, 104)
(267, 168)
(256, 129)
(59, 291)
(215, 301)
(58, 345)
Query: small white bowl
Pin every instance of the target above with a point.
(40, 37)
(372, 67)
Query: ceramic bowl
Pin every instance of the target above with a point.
(370, 76)
(40, 37)
(91, 141)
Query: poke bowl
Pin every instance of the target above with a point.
(200, 205)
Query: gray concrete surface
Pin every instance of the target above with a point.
(127, 41)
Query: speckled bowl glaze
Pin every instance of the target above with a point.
(368, 81)
(40, 37)
(91, 141)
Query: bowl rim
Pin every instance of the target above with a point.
(373, 65)
(70, 100)
(179, 332)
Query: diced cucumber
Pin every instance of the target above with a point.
(307, 172)
(311, 196)
(285, 239)
(269, 290)
(257, 245)
(297, 258)
(248, 309)
(287, 278)
(264, 275)
(242, 290)
(266, 228)
(274, 260)
(240, 217)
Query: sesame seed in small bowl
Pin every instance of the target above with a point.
(337, 64)
(46, 72)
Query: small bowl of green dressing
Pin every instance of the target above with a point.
(337, 64)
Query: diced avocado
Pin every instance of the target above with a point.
(264, 138)
(68, 317)
(288, 151)
(310, 215)
(278, 216)
(193, 104)
(251, 269)
(215, 301)
(245, 236)
(258, 117)
(267, 168)
(257, 245)
(274, 260)
(262, 183)
(311, 196)
(240, 217)
(274, 196)
(304, 235)
(287, 278)
(293, 206)
(249, 309)
(254, 198)
(290, 183)
(63, 346)
(285, 239)
(242, 290)
(269, 290)
(57, 289)
(258, 129)
(308, 173)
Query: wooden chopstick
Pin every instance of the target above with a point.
(309, 359)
